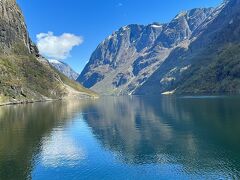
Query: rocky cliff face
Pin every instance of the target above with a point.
(13, 29)
(127, 58)
(65, 69)
(197, 52)
(211, 62)
(24, 75)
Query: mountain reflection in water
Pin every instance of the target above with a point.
(199, 133)
(121, 137)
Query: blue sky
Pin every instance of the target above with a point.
(94, 20)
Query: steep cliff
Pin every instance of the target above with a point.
(24, 74)
(197, 52)
(127, 58)
(211, 63)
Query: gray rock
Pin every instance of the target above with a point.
(64, 68)
(13, 30)
(210, 64)
(126, 59)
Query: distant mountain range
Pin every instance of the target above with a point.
(64, 68)
(197, 52)
(25, 76)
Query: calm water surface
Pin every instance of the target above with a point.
(122, 138)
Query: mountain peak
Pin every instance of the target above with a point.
(54, 61)
(64, 68)
(181, 14)
(129, 56)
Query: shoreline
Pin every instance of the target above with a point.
(43, 100)
(26, 102)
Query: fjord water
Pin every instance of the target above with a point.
(122, 138)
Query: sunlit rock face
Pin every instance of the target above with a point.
(125, 60)
(194, 54)
(210, 64)
(64, 68)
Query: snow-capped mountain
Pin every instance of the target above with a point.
(64, 68)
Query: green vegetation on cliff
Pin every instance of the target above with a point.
(214, 72)
(25, 78)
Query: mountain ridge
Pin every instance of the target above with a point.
(129, 56)
(64, 68)
(209, 60)
(171, 57)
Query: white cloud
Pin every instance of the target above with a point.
(57, 47)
